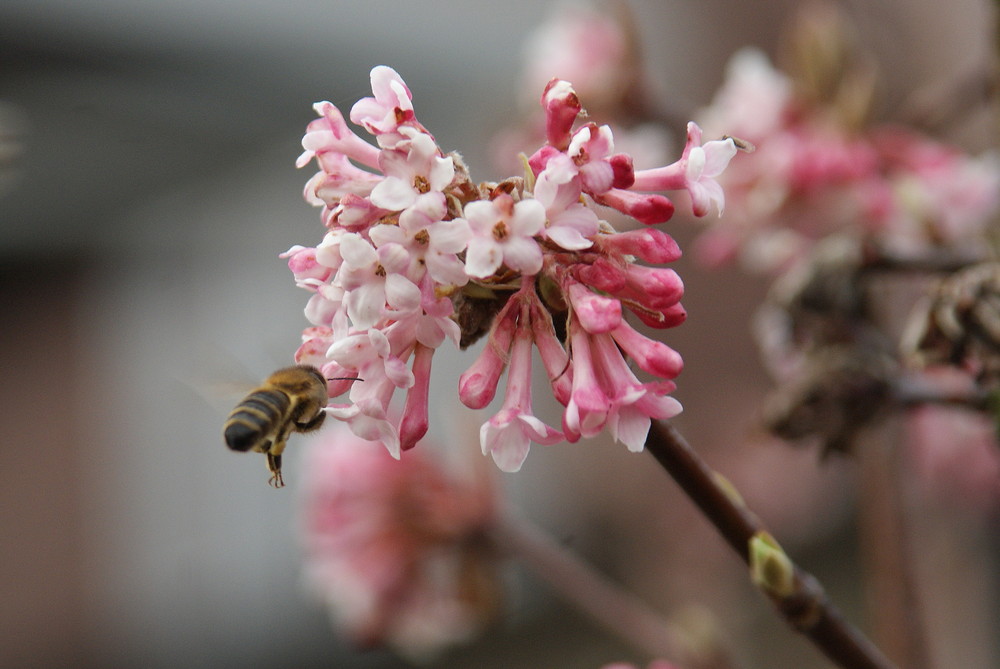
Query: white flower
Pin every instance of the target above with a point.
(503, 232)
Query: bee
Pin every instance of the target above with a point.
(290, 400)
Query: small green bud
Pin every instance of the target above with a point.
(770, 567)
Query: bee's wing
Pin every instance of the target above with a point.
(220, 378)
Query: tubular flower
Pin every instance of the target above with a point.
(416, 254)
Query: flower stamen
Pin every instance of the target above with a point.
(500, 231)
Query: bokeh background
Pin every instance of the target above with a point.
(147, 186)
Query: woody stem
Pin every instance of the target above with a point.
(806, 607)
(616, 609)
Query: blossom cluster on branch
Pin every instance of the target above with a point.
(416, 253)
(397, 551)
(820, 170)
(834, 203)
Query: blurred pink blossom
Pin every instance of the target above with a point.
(812, 176)
(955, 451)
(597, 49)
(395, 548)
(579, 44)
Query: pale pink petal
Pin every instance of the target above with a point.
(401, 293)
(630, 426)
(451, 236)
(567, 238)
(446, 269)
(505, 441)
(539, 432)
(598, 176)
(389, 88)
(365, 304)
(522, 254)
(441, 173)
(393, 194)
(718, 153)
(484, 257)
(351, 351)
(528, 219)
(357, 252)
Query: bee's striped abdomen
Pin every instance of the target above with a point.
(255, 418)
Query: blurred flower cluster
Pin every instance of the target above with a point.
(416, 253)
(820, 170)
(852, 219)
(397, 551)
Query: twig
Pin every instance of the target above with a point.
(797, 594)
(893, 603)
(914, 390)
(618, 610)
(938, 261)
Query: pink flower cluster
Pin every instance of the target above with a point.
(812, 176)
(396, 550)
(413, 248)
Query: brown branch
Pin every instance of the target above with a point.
(938, 261)
(616, 609)
(894, 608)
(802, 600)
(913, 390)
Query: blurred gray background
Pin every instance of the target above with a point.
(147, 187)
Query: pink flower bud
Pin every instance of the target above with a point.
(587, 411)
(596, 313)
(624, 173)
(539, 160)
(414, 422)
(667, 318)
(647, 208)
(354, 213)
(654, 287)
(603, 275)
(649, 244)
(553, 355)
(652, 356)
(302, 262)
(561, 109)
(478, 385)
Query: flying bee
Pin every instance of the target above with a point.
(291, 400)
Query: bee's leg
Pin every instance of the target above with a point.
(313, 424)
(274, 466)
(274, 458)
